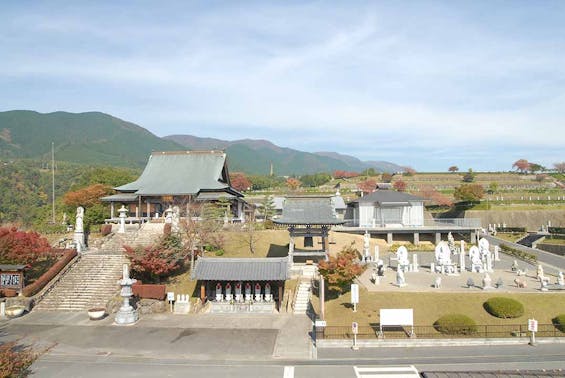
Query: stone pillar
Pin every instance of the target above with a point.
(389, 239)
(462, 257)
(322, 298)
(489, 262)
(496, 253)
(126, 314)
(473, 237)
(415, 263)
(111, 209)
(148, 209)
(438, 237)
(377, 257)
(416, 238)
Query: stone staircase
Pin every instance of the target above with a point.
(302, 301)
(90, 283)
(147, 234)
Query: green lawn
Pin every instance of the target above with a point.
(428, 307)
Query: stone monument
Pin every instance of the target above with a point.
(402, 257)
(560, 279)
(182, 304)
(443, 262)
(169, 215)
(476, 262)
(175, 219)
(126, 314)
(78, 236)
(487, 282)
(366, 246)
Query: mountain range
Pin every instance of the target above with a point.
(100, 139)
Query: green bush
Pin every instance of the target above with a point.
(528, 257)
(504, 308)
(455, 324)
(559, 322)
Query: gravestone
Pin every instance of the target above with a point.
(487, 282)
(400, 279)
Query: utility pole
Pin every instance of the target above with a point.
(53, 179)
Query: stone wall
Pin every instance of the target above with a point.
(531, 219)
(553, 248)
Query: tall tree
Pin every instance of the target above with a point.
(367, 186)
(522, 165)
(560, 167)
(469, 192)
(240, 181)
(399, 185)
(453, 169)
(293, 183)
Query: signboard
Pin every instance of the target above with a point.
(397, 317)
(354, 328)
(532, 325)
(11, 280)
(354, 293)
(170, 296)
(320, 323)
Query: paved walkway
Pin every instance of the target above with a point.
(205, 336)
(423, 281)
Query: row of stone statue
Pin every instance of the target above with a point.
(245, 295)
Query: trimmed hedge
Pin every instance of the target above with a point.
(559, 322)
(40, 283)
(505, 308)
(455, 324)
(528, 257)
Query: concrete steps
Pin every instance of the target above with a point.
(91, 282)
(302, 302)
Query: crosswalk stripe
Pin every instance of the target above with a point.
(386, 372)
(288, 372)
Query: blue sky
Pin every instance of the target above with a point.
(428, 84)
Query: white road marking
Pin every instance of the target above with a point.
(288, 372)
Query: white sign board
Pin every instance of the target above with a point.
(354, 328)
(532, 325)
(320, 323)
(397, 317)
(170, 296)
(354, 293)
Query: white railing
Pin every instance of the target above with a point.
(443, 222)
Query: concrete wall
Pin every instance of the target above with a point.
(531, 219)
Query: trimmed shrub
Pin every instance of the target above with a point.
(559, 322)
(504, 308)
(455, 324)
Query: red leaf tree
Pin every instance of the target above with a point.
(367, 186)
(240, 181)
(20, 247)
(339, 174)
(340, 271)
(522, 165)
(153, 263)
(88, 196)
(399, 185)
(438, 198)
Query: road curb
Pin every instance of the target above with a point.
(434, 343)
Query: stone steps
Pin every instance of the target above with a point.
(91, 282)
(303, 297)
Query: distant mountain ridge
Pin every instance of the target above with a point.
(100, 139)
(285, 160)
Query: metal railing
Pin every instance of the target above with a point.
(469, 223)
(430, 332)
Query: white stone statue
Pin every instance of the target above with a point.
(484, 248)
(560, 279)
(175, 219)
(400, 279)
(443, 257)
(487, 282)
(79, 225)
(540, 271)
(476, 262)
(402, 257)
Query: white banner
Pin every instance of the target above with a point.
(397, 317)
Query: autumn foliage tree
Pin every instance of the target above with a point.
(399, 185)
(86, 197)
(367, 186)
(469, 192)
(438, 198)
(340, 271)
(522, 165)
(153, 263)
(239, 181)
(339, 174)
(21, 247)
(293, 183)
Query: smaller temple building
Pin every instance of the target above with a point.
(308, 217)
(242, 284)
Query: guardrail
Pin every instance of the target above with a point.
(430, 332)
(469, 223)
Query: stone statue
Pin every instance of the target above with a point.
(175, 219)
(484, 248)
(476, 262)
(487, 282)
(79, 225)
(400, 280)
(443, 258)
(540, 271)
(402, 257)
(560, 279)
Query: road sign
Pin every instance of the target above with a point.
(532, 325)
(170, 296)
(320, 323)
(355, 328)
